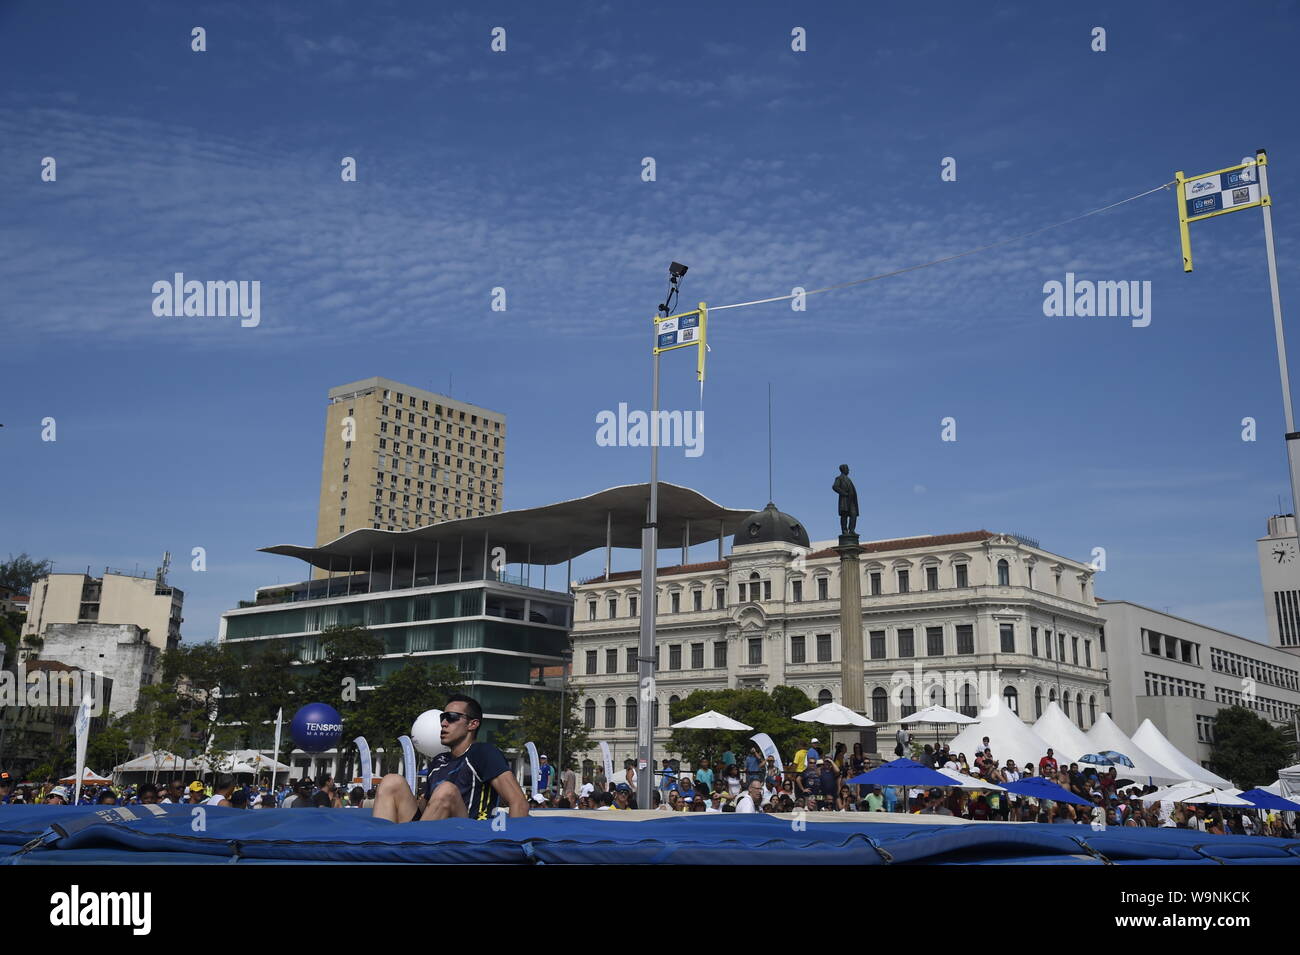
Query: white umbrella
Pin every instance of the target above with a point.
(1176, 793)
(711, 720)
(834, 714)
(938, 714)
(1220, 797)
(968, 782)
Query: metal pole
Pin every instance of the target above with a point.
(437, 555)
(609, 549)
(415, 559)
(485, 555)
(460, 570)
(1292, 437)
(329, 578)
(392, 569)
(370, 575)
(349, 575)
(649, 606)
(564, 694)
(722, 532)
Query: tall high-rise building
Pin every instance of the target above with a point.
(398, 457)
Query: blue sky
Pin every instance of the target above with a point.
(522, 169)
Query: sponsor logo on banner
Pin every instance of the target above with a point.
(1202, 186)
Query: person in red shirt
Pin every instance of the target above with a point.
(1047, 764)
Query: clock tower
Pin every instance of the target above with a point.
(1279, 572)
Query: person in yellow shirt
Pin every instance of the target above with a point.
(801, 761)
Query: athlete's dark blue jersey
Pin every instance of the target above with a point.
(472, 772)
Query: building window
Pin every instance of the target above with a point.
(753, 588)
(591, 661)
(697, 600)
(875, 583)
(629, 659)
(675, 602)
(720, 654)
(1007, 634)
(932, 578)
(613, 607)
(879, 705)
(611, 714)
(767, 590)
(740, 592)
(629, 712)
(1004, 574)
(675, 656)
(965, 638)
(1074, 649)
(1033, 641)
(1038, 702)
(1092, 710)
(591, 610)
(1047, 643)
(903, 585)
(1013, 699)
(1065, 704)
(908, 702)
(1087, 653)
(823, 588)
(589, 714)
(877, 641)
(631, 606)
(905, 647)
(797, 650)
(719, 598)
(1205, 729)
(824, 697)
(755, 649)
(1060, 647)
(611, 661)
(697, 656)
(796, 591)
(962, 579)
(823, 647)
(934, 641)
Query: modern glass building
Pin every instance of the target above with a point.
(443, 593)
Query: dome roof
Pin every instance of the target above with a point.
(771, 526)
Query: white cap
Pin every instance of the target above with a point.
(815, 740)
(543, 756)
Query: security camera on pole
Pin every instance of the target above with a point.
(671, 331)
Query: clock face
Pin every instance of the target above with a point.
(1284, 552)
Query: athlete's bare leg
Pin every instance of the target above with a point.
(393, 799)
(445, 803)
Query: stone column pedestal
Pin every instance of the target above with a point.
(852, 691)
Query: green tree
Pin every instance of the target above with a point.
(349, 660)
(11, 627)
(197, 673)
(387, 711)
(771, 714)
(18, 573)
(267, 680)
(109, 746)
(1248, 749)
(539, 722)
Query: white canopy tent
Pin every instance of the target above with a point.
(88, 778)
(1009, 737)
(1149, 737)
(962, 781)
(1220, 797)
(1288, 782)
(1067, 740)
(1105, 734)
(161, 761)
(1176, 793)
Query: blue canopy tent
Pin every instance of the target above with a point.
(902, 772)
(1040, 788)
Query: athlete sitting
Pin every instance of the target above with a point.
(468, 781)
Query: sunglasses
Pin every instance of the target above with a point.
(453, 717)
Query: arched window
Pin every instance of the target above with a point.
(1013, 699)
(671, 700)
(823, 697)
(1004, 574)
(630, 712)
(589, 714)
(611, 714)
(1092, 710)
(1078, 708)
(880, 705)
(1038, 701)
(588, 767)
(1065, 703)
(1051, 695)
(909, 701)
(754, 586)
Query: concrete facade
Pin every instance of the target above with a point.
(946, 619)
(115, 598)
(1179, 674)
(120, 652)
(1279, 574)
(414, 457)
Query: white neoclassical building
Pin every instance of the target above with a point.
(948, 619)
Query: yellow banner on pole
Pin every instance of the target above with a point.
(683, 330)
(1214, 194)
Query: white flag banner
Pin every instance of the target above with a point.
(275, 754)
(608, 759)
(408, 761)
(533, 765)
(769, 749)
(83, 735)
(367, 776)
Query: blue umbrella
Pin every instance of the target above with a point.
(1107, 757)
(901, 772)
(1267, 800)
(1041, 788)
